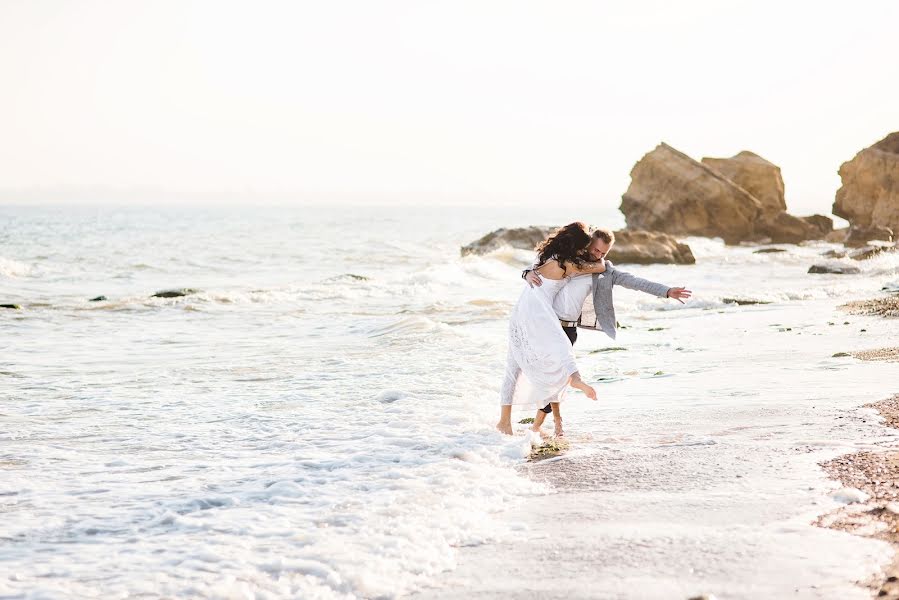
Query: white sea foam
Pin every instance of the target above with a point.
(13, 268)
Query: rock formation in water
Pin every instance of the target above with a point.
(869, 196)
(631, 246)
(737, 199)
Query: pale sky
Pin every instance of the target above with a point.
(423, 101)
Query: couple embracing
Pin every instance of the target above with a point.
(570, 285)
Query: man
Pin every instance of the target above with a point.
(576, 306)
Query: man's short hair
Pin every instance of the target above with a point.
(605, 235)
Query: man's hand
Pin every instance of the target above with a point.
(533, 279)
(678, 293)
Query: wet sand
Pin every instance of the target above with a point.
(878, 354)
(876, 474)
(880, 307)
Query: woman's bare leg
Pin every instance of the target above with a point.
(577, 383)
(505, 419)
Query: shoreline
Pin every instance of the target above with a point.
(875, 514)
(874, 474)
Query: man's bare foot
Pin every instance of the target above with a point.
(503, 427)
(558, 428)
(588, 391)
(537, 429)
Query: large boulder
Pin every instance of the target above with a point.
(647, 247)
(672, 193)
(524, 238)
(756, 175)
(631, 246)
(834, 269)
(738, 199)
(869, 196)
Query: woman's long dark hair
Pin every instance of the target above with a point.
(567, 245)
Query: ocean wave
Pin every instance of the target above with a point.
(406, 325)
(13, 268)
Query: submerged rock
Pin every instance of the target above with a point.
(744, 301)
(834, 254)
(769, 250)
(98, 299)
(867, 252)
(175, 293)
(834, 269)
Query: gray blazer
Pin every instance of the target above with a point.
(599, 311)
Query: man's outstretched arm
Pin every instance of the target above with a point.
(632, 282)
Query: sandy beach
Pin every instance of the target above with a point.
(874, 474)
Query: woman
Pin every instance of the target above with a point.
(540, 363)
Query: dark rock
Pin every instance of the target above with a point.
(348, 277)
(744, 301)
(98, 299)
(866, 252)
(12, 306)
(861, 236)
(834, 269)
(841, 354)
(175, 293)
(769, 250)
(834, 254)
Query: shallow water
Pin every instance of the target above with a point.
(317, 421)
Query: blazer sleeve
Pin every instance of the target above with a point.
(632, 282)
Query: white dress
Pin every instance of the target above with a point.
(540, 359)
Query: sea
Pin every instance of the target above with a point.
(315, 419)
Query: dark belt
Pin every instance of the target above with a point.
(568, 323)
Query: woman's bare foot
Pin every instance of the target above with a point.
(558, 428)
(588, 391)
(504, 427)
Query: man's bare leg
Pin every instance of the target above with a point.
(538, 422)
(505, 419)
(557, 419)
